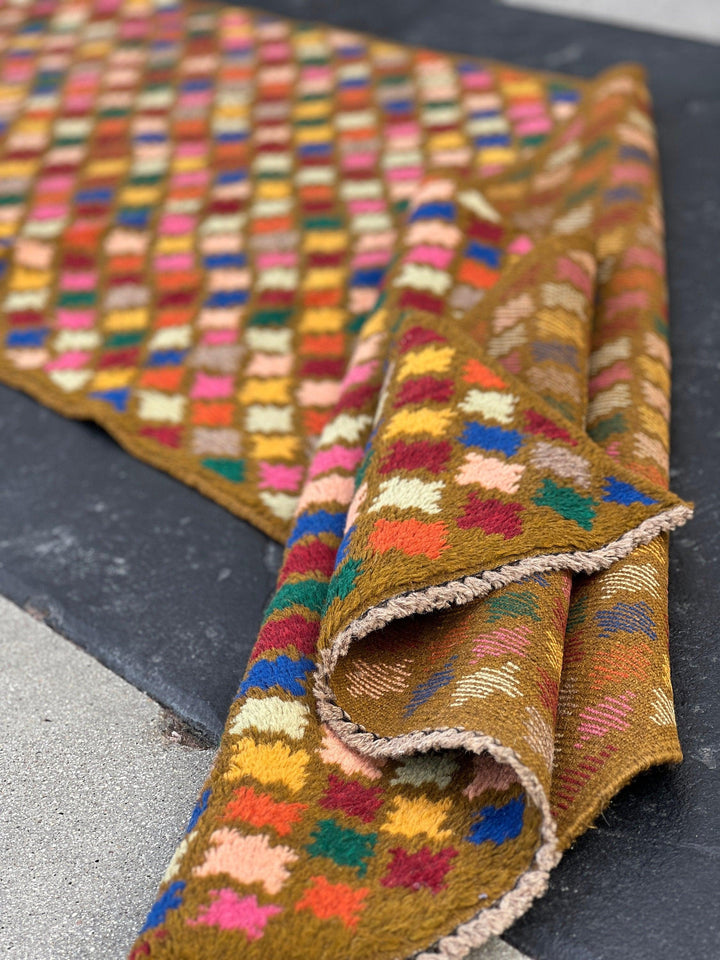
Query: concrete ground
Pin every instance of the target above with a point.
(95, 790)
(696, 19)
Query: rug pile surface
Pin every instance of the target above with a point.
(406, 312)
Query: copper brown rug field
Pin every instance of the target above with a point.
(405, 312)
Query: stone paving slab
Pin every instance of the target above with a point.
(697, 19)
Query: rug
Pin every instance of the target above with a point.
(405, 312)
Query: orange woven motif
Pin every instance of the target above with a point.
(405, 312)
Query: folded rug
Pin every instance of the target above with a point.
(406, 312)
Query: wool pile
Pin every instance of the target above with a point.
(405, 312)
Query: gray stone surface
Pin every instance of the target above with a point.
(202, 577)
(698, 19)
(95, 789)
(94, 796)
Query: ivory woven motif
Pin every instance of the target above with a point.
(405, 312)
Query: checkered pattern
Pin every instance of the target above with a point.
(406, 312)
